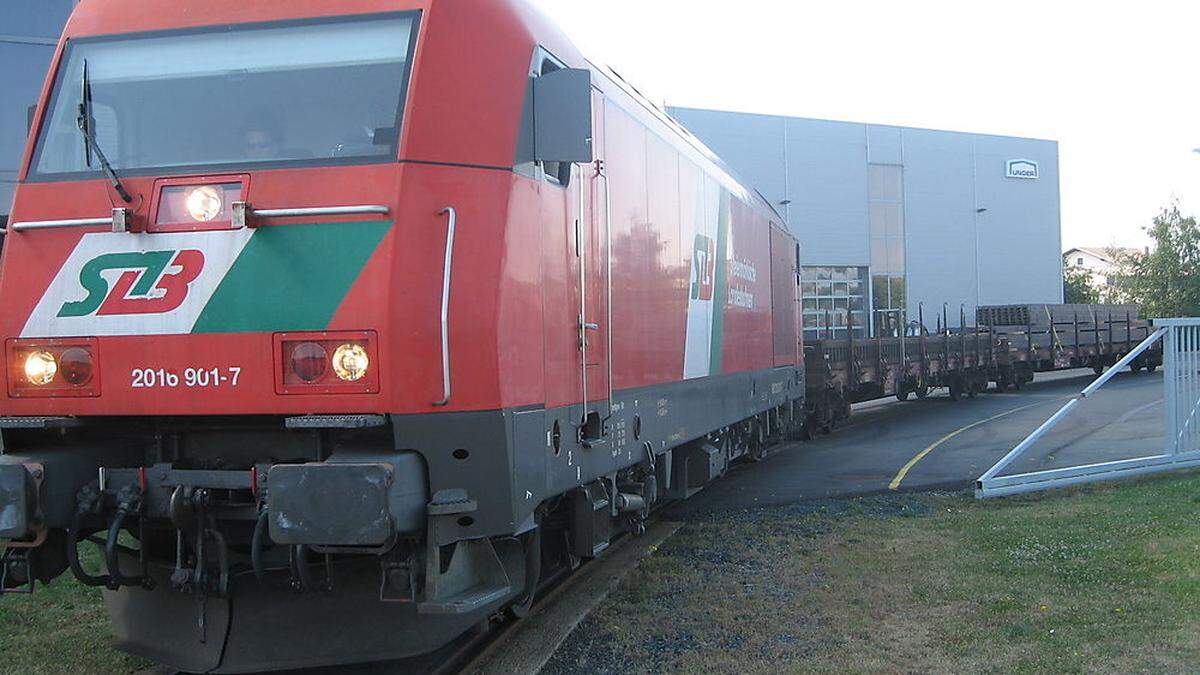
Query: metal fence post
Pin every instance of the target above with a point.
(1170, 409)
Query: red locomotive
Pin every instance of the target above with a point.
(360, 316)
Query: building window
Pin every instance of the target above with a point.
(835, 298)
(886, 203)
(1079, 262)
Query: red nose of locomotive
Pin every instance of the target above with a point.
(199, 232)
(197, 302)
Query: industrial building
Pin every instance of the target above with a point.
(28, 36)
(894, 219)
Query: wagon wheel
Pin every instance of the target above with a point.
(825, 416)
(1006, 381)
(806, 430)
(757, 441)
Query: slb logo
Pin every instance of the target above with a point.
(154, 282)
(704, 267)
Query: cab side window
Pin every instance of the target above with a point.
(555, 173)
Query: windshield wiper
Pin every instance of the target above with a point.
(86, 127)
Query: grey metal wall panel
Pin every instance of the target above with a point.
(1020, 231)
(827, 183)
(28, 32)
(884, 145)
(35, 18)
(939, 222)
(752, 145)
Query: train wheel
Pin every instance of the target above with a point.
(902, 394)
(922, 392)
(955, 391)
(1097, 368)
(1011, 382)
(758, 443)
(1151, 368)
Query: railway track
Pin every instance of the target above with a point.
(510, 645)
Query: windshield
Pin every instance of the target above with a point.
(309, 93)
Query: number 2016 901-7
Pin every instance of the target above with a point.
(148, 378)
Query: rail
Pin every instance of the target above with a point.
(1181, 385)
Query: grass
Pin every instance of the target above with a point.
(1102, 578)
(63, 628)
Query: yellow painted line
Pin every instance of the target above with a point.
(900, 475)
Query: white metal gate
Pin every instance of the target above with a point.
(1181, 384)
(1181, 381)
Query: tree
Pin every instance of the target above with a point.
(1165, 280)
(1078, 288)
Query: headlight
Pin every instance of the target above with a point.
(204, 203)
(40, 368)
(350, 362)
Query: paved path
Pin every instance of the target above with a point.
(939, 443)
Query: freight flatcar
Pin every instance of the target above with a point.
(337, 325)
(1007, 346)
(1042, 337)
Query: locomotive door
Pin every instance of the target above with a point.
(595, 288)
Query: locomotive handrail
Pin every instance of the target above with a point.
(51, 224)
(449, 210)
(581, 253)
(323, 211)
(602, 172)
(112, 220)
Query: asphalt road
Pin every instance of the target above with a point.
(938, 443)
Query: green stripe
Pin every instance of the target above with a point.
(291, 277)
(721, 289)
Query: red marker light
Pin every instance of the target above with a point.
(310, 361)
(75, 366)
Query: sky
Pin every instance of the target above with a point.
(1113, 82)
